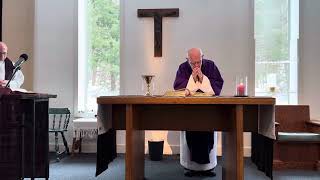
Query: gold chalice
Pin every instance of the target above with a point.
(148, 79)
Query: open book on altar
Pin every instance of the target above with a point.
(19, 90)
(7, 91)
(182, 93)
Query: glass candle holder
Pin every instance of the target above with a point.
(241, 86)
(147, 84)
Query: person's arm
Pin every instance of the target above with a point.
(17, 80)
(216, 80)
(181, 79)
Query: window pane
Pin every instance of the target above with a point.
(271, 30)
(102, 39)
(276, 75)
(275, 63)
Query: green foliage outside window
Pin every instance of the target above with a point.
(104, 43)
(271, 30)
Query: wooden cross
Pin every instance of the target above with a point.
(158, 14)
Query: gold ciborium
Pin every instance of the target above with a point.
(147, 79)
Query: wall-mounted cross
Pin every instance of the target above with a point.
(157, 14)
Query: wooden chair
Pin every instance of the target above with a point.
(298, 138)
(60, 118)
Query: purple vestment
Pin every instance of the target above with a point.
(208, 68)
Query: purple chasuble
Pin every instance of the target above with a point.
(208, 68)
(199, 143)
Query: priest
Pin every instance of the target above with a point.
(7, 68)
(198, 149)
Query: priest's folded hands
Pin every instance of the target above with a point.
(197, 74)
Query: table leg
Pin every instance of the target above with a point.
(134, 146)
(232, 148)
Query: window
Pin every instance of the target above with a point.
(276, 35)
(98, 52)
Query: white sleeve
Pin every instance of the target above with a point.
(192, 86)
(205, 86)
(17, 80)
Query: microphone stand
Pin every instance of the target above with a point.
(12, 75)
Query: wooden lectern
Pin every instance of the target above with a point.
(24, 135)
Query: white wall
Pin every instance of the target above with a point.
(310, 56)
(223, 29)
(17, 33)
(55, 52)
(210, 25)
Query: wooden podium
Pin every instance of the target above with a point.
(24, 136)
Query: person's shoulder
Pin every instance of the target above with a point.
(208, 62)
(8, 61)
(184, 64)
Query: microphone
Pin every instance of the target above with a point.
(17, 65)
(21, 60)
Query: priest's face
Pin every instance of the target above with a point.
(3, 51)
(195, 60)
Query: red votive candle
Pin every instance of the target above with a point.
(241, 89)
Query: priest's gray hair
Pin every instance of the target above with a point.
(199, 49)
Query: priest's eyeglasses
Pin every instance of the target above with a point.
(194, 63)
